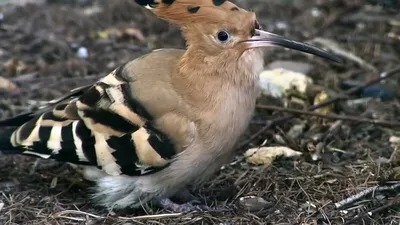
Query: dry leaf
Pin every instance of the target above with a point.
(14, 66)
(107, 33)
(133, 32)
(395, 143)
(266, 155)
(320, 97)
(118, 33)
(7, 85)
(53, 183)
(331, 181)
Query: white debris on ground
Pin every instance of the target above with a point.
(266, 155)
(278, 82)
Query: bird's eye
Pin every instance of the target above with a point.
(223, 36)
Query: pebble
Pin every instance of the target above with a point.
(82, 53)
(379, 91)
(385, 91)
(253, 203)
(281, 25)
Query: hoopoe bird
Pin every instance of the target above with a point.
(161, 122)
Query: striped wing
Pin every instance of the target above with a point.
(100, 125)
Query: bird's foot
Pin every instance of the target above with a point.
(167, 203)
(186, 196)
(193, 205)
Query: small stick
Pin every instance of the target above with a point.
(350, 91)
(394, 202)
(158, 216)
(62, 213)
(332, 116)
(363, 193)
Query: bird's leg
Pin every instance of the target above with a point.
(186, 196)
(42, 164)
(166, 203)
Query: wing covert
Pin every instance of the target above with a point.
(101, 125)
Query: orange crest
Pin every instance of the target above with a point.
(184, 12)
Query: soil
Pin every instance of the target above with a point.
(43, 52)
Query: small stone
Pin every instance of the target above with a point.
(281, 25)
(296, 130)
(315, 12)
(92, 10)
(82, 53)
(384, 92)
(253, 203)
(380, 197)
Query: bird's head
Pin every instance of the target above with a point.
(219, 26)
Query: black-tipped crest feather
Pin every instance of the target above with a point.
(190, 11)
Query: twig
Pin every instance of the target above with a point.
(25, 77)
(62, 213)
(335, 48)
(158, 216)
(394, 202)
(332, 116)
(145, 217)
(72, 218)
(363, 193)
(350, 91)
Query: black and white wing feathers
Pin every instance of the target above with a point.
(100, 125)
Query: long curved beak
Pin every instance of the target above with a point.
(266, 39)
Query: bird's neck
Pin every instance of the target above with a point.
(200, 76)
(205, 82)
(220, 94)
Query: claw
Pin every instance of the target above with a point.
(166, 203)
(186, 196)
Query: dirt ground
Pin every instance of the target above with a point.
(43, 51)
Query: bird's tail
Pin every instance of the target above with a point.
(7, 127)
(5, 141)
